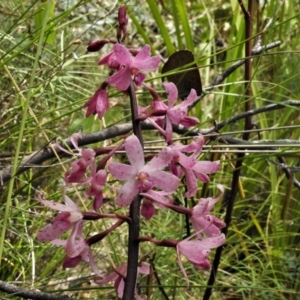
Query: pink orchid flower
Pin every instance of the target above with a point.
(201, 218)
(98, 103)
(77, 250)
(140, 177)
(158, 197)
(70, 217)
(178, 114)
(118, 277)
(97, 181)
(80, 166)
(147, 209)
(120, 58)
(199, 171)
(197, 251)
(190, 166)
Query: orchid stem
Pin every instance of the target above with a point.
(134, 212)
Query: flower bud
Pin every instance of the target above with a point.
(122, 16)
(97, 45)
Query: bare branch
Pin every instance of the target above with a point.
(29, 294)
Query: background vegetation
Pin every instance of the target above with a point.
(47, 76)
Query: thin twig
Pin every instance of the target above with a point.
(29, 294)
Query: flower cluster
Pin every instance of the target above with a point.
(154, 180)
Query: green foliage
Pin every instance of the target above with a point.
(43, 87)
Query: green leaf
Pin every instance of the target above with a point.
(185, 24)
(38, 18)
(161, 25)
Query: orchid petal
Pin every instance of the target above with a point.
(190, 182)
(121, 79)
(186, 161)
(56, 206)
(169, 129)
(127, 193)
(193, 247)
(207, 167)
(134, 152)
(147, 209)
(102, 103)
(144, 268)
(143, 60)
(121, 171)
(93, 263)
(122, 54)
(104, 60)
(202, 177)
(98, 201)
(191, 98)
(165, 181)
(172, 92)
(71, 262)
(70, 203)
(59, 242)
(162, 159)
(189, 121)
(50, 232)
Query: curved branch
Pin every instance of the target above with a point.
(29, 294)
(222, 76)
(218, 126)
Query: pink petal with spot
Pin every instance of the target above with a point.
(121, 171)
(162, 159)
(186, 161)
(127, 193)
(57, 206)
(192, 248)
(50, 232)
(165, 181)
(207, 167)
(176, 116)
(102, 103)
(201, 208)
(134, 152)
(77, 248)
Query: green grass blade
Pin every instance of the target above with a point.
(161, 25)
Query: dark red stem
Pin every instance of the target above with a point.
(134, 212)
